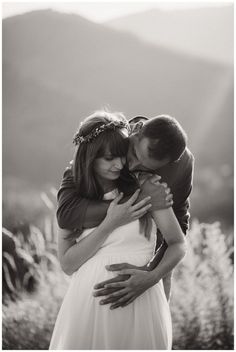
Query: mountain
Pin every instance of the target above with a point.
(205, 32)
(58, 68)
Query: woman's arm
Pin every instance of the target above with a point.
(169, 226)
(73, 254)
(131, 282)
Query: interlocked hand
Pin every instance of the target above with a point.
(130, 283)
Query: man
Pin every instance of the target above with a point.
(157, 146)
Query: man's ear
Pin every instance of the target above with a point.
(136, 127)
(136, 123)
(136, 119)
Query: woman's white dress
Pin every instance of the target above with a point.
(84, 324)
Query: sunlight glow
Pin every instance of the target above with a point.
(99, 11)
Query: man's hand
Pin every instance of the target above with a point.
(130, 283)
(161, 196)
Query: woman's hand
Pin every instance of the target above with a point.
(121, 214)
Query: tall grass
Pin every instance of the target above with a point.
(29, 253)
(202, 302)
(34, 285)
(33, 282)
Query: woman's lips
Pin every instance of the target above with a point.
(115, 172)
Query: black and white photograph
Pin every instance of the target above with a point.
(118, 175)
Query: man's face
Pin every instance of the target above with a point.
(138, 156)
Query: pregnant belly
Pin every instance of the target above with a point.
(94, 270)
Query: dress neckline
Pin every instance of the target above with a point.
(111, 194)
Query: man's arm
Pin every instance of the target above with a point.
(76, 212)
(181, 192)
(73, 211)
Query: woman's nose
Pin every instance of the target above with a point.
(119, 163)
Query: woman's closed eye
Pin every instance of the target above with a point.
(109, 157)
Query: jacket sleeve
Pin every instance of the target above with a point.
(75, 212)
(181, 195)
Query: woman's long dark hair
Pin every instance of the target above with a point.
(117, 144)
(112, 140)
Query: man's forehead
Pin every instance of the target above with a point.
(143, 142)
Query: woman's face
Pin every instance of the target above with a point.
(109, 167)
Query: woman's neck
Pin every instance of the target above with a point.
(107, 185)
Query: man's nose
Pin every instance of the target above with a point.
(132, 163)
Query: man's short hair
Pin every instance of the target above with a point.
(167, 137)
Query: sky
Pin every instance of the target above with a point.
(99, 11)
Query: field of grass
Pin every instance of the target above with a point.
(34, 286)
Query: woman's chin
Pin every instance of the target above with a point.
(114, 176)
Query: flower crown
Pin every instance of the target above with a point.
(97, 131)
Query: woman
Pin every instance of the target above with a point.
(100, 172)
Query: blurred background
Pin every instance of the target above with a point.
(62, 61)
